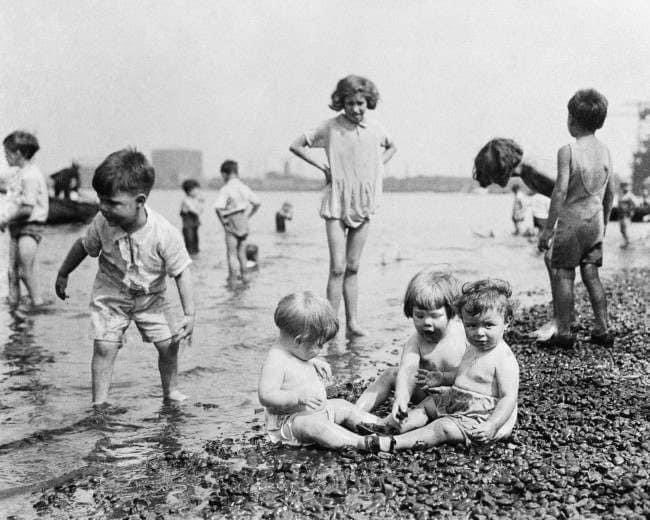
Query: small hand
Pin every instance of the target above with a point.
(429, 378)
(60, 286)
(483, 432)
(323, 368)
(399, 411)
(311, 402)
(186, 329)
(544, 239)
(328, 174)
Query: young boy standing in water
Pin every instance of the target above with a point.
(580, 206)
(26, 216)
(481, 405)
(236, 203)
(137, 249)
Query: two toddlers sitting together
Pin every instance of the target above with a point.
(456, 369)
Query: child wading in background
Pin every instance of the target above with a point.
(481, 406)
(191, 209)
(357, 149)
(580, 205)
(26, 213)
(626, 204)
(292, 387)
(236, 203)
(137, 250)
(519, 208)
(432, 354)
(285, 213)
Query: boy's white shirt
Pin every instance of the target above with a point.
(235, 196)
(140, 260)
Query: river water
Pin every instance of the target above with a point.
(46, 423)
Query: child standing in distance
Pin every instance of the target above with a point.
(191, 209)
(580, 205)
(481, 406)
(137, 250)
(29, 195)
(236, 204)
(626, 204)
(432, 354)
(357, 149)
(285, 213)
(518, 210)
(291, 385)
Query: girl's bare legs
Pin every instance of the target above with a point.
(13, 274)
(27, 248)
(336, 243)
(377, 392)
(168, 368)
(589, 274)
(231, 255)
(356, 240)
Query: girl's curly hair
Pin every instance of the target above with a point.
(351, 85)
(483, 295)
(495, 162)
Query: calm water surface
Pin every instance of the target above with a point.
(46, 426)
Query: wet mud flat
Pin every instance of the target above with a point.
(581, 450)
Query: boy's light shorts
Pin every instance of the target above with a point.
(113, 309)
(280, 427)
(465, 409)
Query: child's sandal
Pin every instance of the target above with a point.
(371, 443)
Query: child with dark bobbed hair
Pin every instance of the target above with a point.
(357, 149)
(431, 355)
(191, 209)
(581, 202)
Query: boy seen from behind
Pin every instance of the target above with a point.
(137, 249)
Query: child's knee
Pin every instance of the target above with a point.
(337, 271)
(388, 376)
(102, 348)
(351, 269)
(168, 347)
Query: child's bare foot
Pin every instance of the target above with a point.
(353, 331)
(546, 331)
(176, 396)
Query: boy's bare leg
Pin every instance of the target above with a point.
(355, 241)
(549, 328)
(589, 274)
(27, 248)
(417, 418)
(168, 367)
(440, 431)
(231, 255)
(350, 415)
(623, 226)
(104, 354)
(377, 391)
(563, 300)
(13, 274)
(336, 242)
(241, 257)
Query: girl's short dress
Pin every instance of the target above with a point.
(578, 235)
(355, 155)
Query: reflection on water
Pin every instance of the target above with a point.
(47, 427)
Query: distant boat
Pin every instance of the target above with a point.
(66, 211)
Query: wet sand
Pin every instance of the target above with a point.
(581, 449)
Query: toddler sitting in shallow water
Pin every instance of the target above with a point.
(481, 405)
(291, 385)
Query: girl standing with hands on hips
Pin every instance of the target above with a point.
(357, 149)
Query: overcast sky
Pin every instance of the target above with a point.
(241, 79)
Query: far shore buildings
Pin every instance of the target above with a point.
(174, 165)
